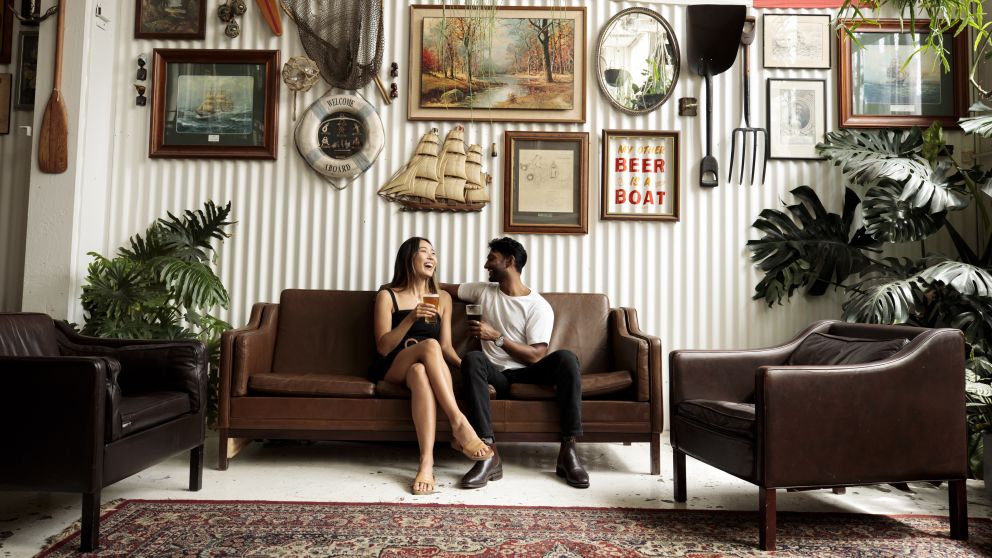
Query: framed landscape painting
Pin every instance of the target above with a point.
(505, 64)
(214, 104)
(170, 19)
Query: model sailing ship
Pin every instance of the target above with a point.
(215, 102)
(441, 178)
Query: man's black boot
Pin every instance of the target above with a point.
(569, 466)
(484, 471)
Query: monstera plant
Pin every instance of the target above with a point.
(162, 286)
(904, 187)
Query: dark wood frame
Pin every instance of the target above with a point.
(606, 187)
(509, 138)
(765, 37)
(6, 32)
(200, 34)
(768, 115)
(415, 112)
(19, 102)
(160, 61)
(959, 77)
(6, 92)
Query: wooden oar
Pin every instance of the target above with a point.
(270, 12)
(53, 148)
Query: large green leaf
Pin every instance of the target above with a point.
(190, 236)
(981, 124)
(944, 191)
(965, 278)
(194, 283)
(889, 218)
(886, 294)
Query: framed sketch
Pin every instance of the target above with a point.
(878, 88)
(214, 104)
(545, 182)
(5, 84)
(797, 117)
(27, 69)
(796, 41)
(170, 19)
(6, 32)
(525, 64)
(640, 179)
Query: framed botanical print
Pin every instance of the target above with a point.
(797, 117)
(214, 104)
(890, 82)
(545, 182)
(640, 176)
(796, 41)
(513, 64)
(6, 32)
(27, 69)
(170, 19)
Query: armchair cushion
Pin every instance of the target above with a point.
(311, 385)
(593, 385)
(732, 418)
(823, 349)
(145, 410)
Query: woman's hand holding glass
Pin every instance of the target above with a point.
(426, 312)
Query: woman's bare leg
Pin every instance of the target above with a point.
(424, 411)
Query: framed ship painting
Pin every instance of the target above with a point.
(546, 182)
(170, 19)
(501, 64)
(218, 104)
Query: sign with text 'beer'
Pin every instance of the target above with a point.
(640, 175)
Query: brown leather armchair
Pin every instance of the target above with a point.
(80, 413)
(806, 414)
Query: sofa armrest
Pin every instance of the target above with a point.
(649, 385)
(632, 350)
(53, 410)
(726, 375)
(248, 350)
(898, 419)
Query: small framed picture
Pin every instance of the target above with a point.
(545, 182)
(640, 176)
(218, 104)
(797, 117)
(6, 32)
(170, 19)
(5, 84)
(796, 41)
(27, 69)
(890, 82)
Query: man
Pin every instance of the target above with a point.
(514, 333)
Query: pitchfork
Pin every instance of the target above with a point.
(747, 37)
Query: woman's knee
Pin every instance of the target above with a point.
(416, 375)
(431, 346)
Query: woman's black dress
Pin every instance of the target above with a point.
(419, 331)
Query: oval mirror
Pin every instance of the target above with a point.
(638, 60)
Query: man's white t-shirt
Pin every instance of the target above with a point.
(524, 319)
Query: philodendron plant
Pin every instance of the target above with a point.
(903, 185)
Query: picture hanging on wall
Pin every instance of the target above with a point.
(5, 84)
(796, 41)
(524, 64)
(170, 19)
(215, 104)
(6, 33)
(797, 117)
(878, 88)
(27, 69)
(640, 176)
(545, 182)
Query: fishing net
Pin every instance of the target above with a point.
(344, 37)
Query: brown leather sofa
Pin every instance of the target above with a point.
(822, 411)
(81, 413)
(298, 371)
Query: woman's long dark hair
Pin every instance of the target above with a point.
(403, 268)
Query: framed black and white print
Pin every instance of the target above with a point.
(797, 117)
(27, 69)
(796, 41)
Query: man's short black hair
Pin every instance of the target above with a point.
(509, 247)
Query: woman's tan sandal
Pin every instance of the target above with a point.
(473, 448)
(423, 479)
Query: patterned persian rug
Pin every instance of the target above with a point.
(144, 528)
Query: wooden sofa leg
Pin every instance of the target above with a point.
(766, 519)
(89, 532)
(840, 490)
(655, 453)
(958, 497)
(222, 450)
(196, 468)
(678, 473)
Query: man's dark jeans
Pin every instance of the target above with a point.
(559, 369)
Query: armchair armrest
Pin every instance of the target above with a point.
(176, 366)
(248, 350)
(724, 375)
(648, 380)
(899, 419)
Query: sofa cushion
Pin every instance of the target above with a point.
(311, 384)
(392, 390)
(593, 385)
(733, 418)
(823, 349)
(148, 409)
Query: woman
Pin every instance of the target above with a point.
(413, 340)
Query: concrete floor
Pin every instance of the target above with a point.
(379, 472)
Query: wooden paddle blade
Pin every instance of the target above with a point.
(270, 11)
(53, 141)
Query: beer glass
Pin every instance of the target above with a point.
(473, 312)
(434, 300)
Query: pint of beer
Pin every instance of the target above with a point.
(473, 312)
(434, 300)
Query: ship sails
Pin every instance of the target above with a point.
(438, 177)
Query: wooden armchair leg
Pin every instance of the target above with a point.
(958, 497)
(196, 468)
(678, 457)
(89, 532)
(655, 453)
(840, 490)
(766, 520)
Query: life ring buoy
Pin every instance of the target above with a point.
(340, 136)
